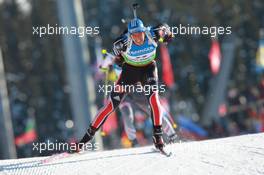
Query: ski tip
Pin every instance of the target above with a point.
(163, 152)
(167, 154)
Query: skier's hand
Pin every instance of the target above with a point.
(165, 34)
(118, 60)
(103, 68)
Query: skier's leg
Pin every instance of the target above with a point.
(168, 125)
(151, 80)
(156, 114)
(113, 102)
(156, 119)
(127, 77)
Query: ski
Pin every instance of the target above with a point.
(59, 156)
(163, 152)
(54, 157)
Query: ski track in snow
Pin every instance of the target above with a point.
(234, 155)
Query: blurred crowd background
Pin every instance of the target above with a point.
(39, 92)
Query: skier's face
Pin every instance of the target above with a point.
(138, 38)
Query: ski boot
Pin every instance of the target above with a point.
(157, 138)
(158, 141)
(89, 135)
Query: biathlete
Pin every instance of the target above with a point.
(136, 51)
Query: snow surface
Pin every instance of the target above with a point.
(233, 155)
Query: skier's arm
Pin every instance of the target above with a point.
(119, 46)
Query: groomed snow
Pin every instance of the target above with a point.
(233, 155)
